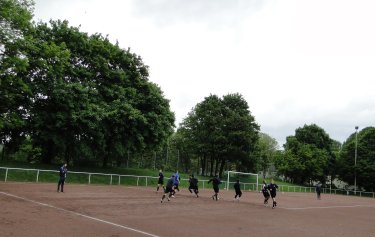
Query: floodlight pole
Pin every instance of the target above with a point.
(355, 160)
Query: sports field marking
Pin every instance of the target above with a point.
(80, 214)
(328, 207)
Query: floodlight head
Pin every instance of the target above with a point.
(356, 127)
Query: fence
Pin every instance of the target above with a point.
(38, 175)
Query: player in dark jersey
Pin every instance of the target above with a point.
(193, 185)
(273, 188)
(265, 192)
(168, 189)
(237, 189)
(160, 181)
(62, 173)
(318, 190)
(215, 185)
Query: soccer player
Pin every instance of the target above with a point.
(318, 190)
(273, 187)
(237, 189)
(62, 173)
(160, 181)
(193, 185)
(168, 189)
(176, 183)
(265, 192)
(215, 185)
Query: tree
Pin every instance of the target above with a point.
(306, 155)
(365, 167)
(15, 26)
(223, 133)
(79, 96)
(268, 147)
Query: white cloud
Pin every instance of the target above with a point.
(295, 62)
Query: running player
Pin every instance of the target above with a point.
(193, 185)
(265, 192)
(237, 188)
(273, 187)
(176, 183)
(168, 189)
(160, 181)
(318, 190)
(62, 173)
(215, 185)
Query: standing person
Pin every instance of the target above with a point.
(62, 173)
(193, 185)
(237, 189)
(318, 190)
(168, 189)
(273, 187)
(265, 192)
(160, 181)
(215, 185)
(176, 183)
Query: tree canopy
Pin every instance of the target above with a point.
(221, 132)
(365, 167)
(307, 155)
(78, 96)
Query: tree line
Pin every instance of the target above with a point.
(67, 96)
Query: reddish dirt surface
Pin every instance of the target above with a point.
(29, 209)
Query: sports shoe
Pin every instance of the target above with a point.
(168, 199)
(213, 197)
(161, 201)
(173, 196)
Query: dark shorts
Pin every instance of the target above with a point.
(161, 181)
(216, 189)
(266, 194)
(168, 190)
(273, 195)
(193, 187)
(238, 192)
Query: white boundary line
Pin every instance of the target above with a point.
(80, 214)
(328, 207)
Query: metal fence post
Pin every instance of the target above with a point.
(89, 178)
(111, 181)
(37, 176)
(6, 175)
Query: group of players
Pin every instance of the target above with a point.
(268, 190)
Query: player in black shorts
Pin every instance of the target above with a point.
(237, 189)
(160, 181)
(215, 185)
(273, 187)
(168, 189)
(265, 192)
(193, 185)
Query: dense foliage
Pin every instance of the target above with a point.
(77, 97)
(365, 167)
(308, 155)
(221, 133)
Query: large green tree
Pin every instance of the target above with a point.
(223, 133)
(79, 97)
(268, 148)
(307, 155)
(365, 167)
(15, 27)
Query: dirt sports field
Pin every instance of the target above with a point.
(29, 209)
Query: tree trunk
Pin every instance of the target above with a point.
(217, 165)
(222, 167)
(211, 166)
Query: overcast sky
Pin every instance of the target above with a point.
(295, 62)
